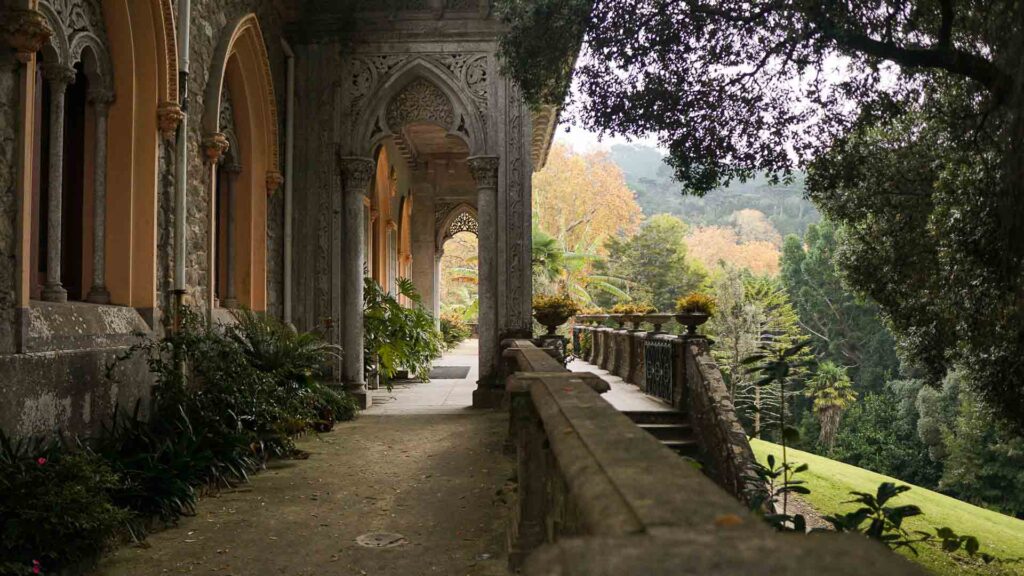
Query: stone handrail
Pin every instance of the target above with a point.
(697, 390)
(599, 496)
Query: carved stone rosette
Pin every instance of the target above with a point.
(484, 170)
(169, 116)
(356, 173)
(214, 147)
(27, 31)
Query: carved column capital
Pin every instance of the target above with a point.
(59, 76)
(214, 147)
(356, 173)
(26, 30)
(274, 181)
(101, 99)
(484, 170)
(169, 116)
(374, 215)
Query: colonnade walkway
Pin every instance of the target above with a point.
(416, 485)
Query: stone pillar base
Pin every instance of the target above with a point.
(99, 295)
(364, 398)
(55, 293)
(484, 397)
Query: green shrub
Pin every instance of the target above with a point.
(54, 505)
(397, 336)
(454, 331)
(225, 401)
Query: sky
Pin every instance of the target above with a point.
(582, 140)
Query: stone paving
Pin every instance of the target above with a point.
(420, 478)
(439, 396)
(624, 396)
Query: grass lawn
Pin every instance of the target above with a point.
(830, 483)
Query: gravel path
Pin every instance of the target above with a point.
(439, 482)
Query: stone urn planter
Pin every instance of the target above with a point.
(658, 320)
(553, 311)
(551, 321)
(634, 320)
(691, 320)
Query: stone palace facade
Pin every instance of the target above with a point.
(257, 154)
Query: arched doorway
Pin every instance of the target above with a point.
(457, 271)
(240, 105)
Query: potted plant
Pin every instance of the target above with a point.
(693, 310)
(553, 311)
(633, 313)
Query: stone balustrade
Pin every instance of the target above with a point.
(599, 496)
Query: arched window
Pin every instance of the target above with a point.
(68, 196)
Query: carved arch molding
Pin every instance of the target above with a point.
(451, 218)
(420, 100)
(77, 26)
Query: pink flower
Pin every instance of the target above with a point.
(36, 566)
(40, 460)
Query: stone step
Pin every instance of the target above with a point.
(669, 431)
(657, 417)
(684, 447)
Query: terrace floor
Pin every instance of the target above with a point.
(420, 465)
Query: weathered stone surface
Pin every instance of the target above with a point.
(675, 552)
(44, 393)
(57, 327)
(8, 200)
(614, 501)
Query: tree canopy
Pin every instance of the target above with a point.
(908, 116)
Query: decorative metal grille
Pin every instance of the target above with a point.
(658, 370)
(464, 222)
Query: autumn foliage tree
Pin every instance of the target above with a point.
(714, 246)
(581, 200)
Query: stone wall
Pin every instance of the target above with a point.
(210, 19)
(598, 496)
(63, 382)
(9, 94)
(728, 457)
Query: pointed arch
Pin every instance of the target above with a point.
(241, 65)
(144, 61)
(373, 127)
(243, 39)
(446, 228)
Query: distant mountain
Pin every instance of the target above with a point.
(647, 174)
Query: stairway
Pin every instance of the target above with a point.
(671, 428)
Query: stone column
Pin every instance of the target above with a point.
(435, 303)
(231, 172)
(485, 173)
(356, 174)
(99, 294)
(59, 77)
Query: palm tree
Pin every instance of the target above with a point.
(556, 270)
(833, 393)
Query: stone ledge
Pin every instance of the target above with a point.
(54, 327)
(691, 553)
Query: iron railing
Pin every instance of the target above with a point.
(658, 368)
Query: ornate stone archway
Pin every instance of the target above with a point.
(241, 66)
